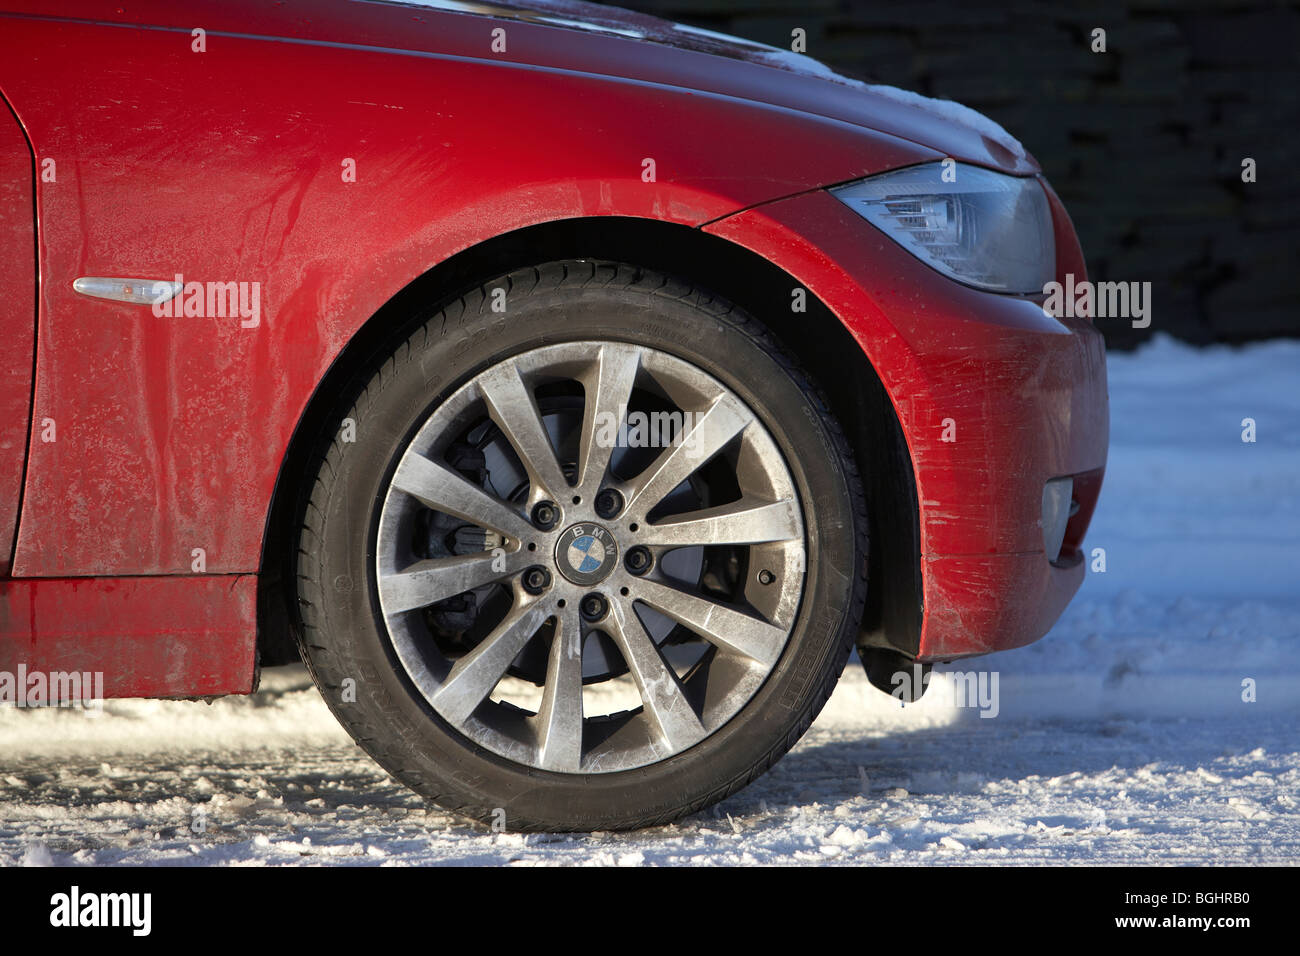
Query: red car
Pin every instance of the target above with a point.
(571, 390)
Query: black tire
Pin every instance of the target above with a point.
(342, 634)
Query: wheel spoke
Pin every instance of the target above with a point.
(716, 623)
(512, 406)
(520, 414)
(608, 388)
(661, 692)
(560, 717)
(712, 430)
(435, 579)
(741, 523)
(442, 489)
(473, 677)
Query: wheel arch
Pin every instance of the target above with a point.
(816, 337)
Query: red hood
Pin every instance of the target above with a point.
(784, 78)
(590, 38)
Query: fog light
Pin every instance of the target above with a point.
(1057, 495)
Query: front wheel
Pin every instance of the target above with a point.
(588, 552)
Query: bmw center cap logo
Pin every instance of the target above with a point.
(586, 553)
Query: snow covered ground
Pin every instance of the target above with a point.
(1122, 736)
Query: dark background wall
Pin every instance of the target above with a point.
(1144, 142)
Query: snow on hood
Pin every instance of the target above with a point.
(954, 111)
(595, 18)
(949, 110)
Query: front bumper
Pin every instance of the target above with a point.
(995, 399)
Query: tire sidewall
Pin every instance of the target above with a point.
(394, 722)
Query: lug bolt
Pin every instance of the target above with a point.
(545, 515)
(594, 607)
(609, 503)
(638, 560)
(536, 579)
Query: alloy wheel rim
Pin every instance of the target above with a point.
(700, 571)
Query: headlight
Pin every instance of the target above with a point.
(983, 228)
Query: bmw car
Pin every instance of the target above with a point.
(573, 392)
